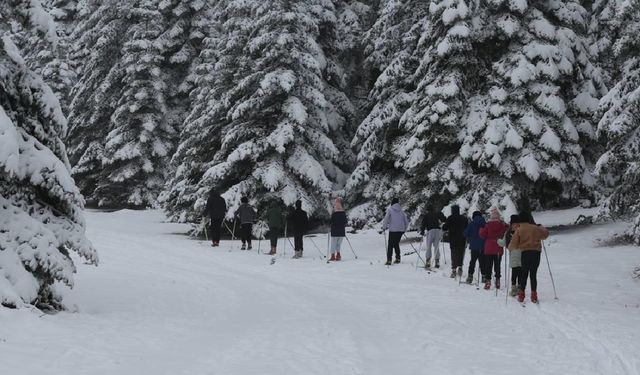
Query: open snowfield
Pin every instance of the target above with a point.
(161, 303)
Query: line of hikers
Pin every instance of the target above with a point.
(486, 239)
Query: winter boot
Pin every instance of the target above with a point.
(397, 261)
(460, 271)
(427, 264)
(521, 296)
(534, 296)
(514, 290)
(469, 279)
(338, 257)
(388, 263)
(297, 255)
(249, 247)
(333, 257)
(497, 283)
(487, 285)
(437, 263)
(273, 251)
(244, 247)
(453, 274)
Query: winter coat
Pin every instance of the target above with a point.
(456, 225)
(216, 207)
(528, 237)
(491, 232)
(472, 233)
(246, 214)
(432, 220)
(275, 217)
(395, 220)
(338, 224)
(299, 220)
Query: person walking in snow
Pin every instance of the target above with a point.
(395, 220)
(216, 209)
(476, 244)
(246, 215)
(338, 229)
(430, 228)
(455, 225)
(275, 220)
(528, 238)
(491, 232)
(299, 222)
(515, 256)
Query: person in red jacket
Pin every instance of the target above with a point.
(491, 232)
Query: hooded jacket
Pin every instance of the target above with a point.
(299, 220)
(395, 220)
(216, 206)
(246, 214)
(432, 220)
(275, 217)
(528, 237)
(472, 233)
(493, 230)
(456, 225)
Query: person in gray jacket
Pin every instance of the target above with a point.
(247, 216)
(397, 223)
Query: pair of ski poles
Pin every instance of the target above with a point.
(553, 283)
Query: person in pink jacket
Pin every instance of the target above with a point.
(491, 232)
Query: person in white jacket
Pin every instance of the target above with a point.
(397, 223)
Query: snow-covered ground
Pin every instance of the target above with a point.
(161, 303)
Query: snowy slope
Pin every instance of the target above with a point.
(161, 303)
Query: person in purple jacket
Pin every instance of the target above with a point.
(397, 223)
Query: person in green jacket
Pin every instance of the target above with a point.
(275, 220)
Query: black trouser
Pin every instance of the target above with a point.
(245, 233)
(297, 241)
(515, 275)
(492, 261)
(394, 244)
(216, 227)
(476, 256)
(457, 255)
(273, 236)
(530, 264)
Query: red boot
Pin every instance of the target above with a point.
(487, 284)
(521, 296)
(333, 257)
(534, 296)
(338, 257)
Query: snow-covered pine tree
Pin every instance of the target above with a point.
(392, 57)
(131, 96)
(619, 111)
(269, 121)
(528, 137)
(40, 207)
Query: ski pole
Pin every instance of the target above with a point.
(544, 247)
(507, 281)
(328, 245)
(284, 243)
(206, 235)
(349, 242)
(233, 234)
(419, 249)
(444, 252)
(414, 249)
(316, 246)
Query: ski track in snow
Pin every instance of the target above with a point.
(161, 303)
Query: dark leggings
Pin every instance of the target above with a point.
(457, 256)
(476, 256)
(273, 236)
(297, 241)
(492, 261)
(216, 226)
(515, 275)
(394, 244)
(245, 233)
(530, 264)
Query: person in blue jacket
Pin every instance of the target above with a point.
(476, 244)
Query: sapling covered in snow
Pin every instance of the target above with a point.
(272, 120)
(41, 219)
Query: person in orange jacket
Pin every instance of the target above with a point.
(528, 238)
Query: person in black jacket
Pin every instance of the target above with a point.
(299, 222)
(246, 214)
(430, 227)
(216, 210)
(456, 225)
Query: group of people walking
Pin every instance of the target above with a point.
(487, 239)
